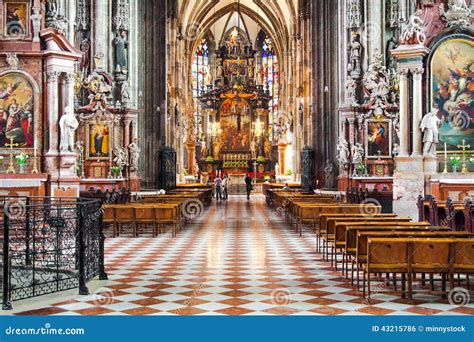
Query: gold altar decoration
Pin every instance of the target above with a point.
(11, 168)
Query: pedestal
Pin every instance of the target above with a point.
(191, 158)
(408, 184)
(68, 184)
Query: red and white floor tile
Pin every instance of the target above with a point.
(238, 258)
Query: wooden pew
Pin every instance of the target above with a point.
(322, 226)
(336, 230)
(310, 212)
(361, 249)
(409, 256)
(335, 235)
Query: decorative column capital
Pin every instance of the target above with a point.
(70, 77)
(403, 72)
(52, 75)
(417, 72)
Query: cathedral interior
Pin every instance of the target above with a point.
(130, 125)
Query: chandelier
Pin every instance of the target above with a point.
(214, 129)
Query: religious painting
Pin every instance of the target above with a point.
(235, 125)
(99, 139)
(16, 110)
(16, 18)
(452, 91)
(379, 139)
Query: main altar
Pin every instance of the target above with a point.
(236, 123)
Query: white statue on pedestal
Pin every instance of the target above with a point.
(68, 124)
(277, 170)
(134, 151)
(253, 149)
(429, 125)
(343, 152)
(357, 154)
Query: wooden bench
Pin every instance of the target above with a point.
(136, 215)
(360, 251)
(409, 256)
(323, 218)
(335, 235)
(309, 213)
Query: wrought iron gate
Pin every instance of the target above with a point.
(49, 245)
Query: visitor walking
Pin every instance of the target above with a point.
(248, 185)
(218, 186)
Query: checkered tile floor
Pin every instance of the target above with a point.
(236, 259)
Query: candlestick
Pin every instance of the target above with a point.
(445, 159)
(35, 163)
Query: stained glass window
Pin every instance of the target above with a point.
(271, 77)
(200, 72)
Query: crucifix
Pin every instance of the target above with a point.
(11, 169)
(464, 146)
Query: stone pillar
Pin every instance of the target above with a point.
(417, 110)
(126, 132)
(191, 147)
(69, 90)
(409, 176)
(281, 157)
(52, 111)
(403, 73)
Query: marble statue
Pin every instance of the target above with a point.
(204, 150)
(120, 158)
(357, 154)
(68, 124)
(36, 23)
(355, 48)
(413, 32)
(220, 71)
(329, 175)
(343, 152)
(267, 148)
(121, 44)
(429, 125)
(351, 87)
(253, 149)
(134, 151)
(125, 94)
(277, 170)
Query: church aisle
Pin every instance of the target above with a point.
(237, 259)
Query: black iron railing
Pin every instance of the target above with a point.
(49, 245)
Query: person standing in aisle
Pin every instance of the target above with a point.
(248, 185)
(226, 184)
(218, 186)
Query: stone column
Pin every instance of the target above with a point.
(402, 73)
(69, 90)
(191, 158)
(52, 111)
(281, 157)
(417, 110)
(126, 130)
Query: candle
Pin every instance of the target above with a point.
(445, 151)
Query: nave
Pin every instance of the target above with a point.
(238, 258)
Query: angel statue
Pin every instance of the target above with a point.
(412, 33)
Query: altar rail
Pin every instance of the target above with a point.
(50, 244)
